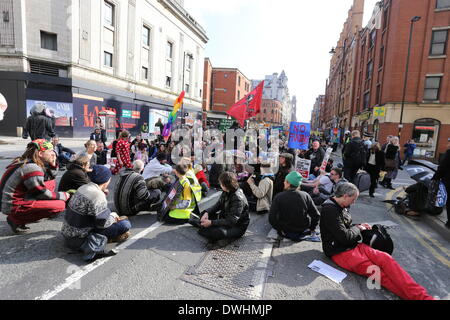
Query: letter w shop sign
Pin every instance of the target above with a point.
(299, 135)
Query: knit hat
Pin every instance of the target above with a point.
(100, 174)
(43, 144)
(294, 178)
(287, 156)
(198, 168)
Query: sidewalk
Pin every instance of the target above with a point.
(437, 223)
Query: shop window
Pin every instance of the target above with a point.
(425, 135)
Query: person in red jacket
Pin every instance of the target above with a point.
(201, 177)
(27, 188)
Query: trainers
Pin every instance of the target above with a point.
(123, 237)
(15, 228)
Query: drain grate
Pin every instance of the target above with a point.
(238, 270)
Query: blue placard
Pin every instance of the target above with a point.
(299, 135)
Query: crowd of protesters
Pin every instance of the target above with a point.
(148, 180)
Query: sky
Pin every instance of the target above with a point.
(262, 37)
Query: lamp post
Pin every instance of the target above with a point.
(400, 126)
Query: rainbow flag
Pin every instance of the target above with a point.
(173, 116)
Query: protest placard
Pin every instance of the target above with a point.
(303, 166)
(299, 135)
(326, 158)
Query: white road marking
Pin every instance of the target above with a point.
(74, 278)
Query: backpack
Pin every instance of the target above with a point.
(362, 154)
(378, 238)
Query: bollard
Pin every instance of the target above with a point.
(19, 131)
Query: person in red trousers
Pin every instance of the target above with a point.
(27, 188)
(341, 243)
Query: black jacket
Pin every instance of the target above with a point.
(338, 234)
(99, 136)
(278, 185)
(233, 209)
(352, 154)
(73, 178)
(39, 126)
(293, 211)
(316, 158)
(131, 194)
(60, 149)
(379, 159)
(392, 151)
(214, 174)
(443, 171)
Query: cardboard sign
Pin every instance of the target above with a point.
(303, 167)
(326, 158)
(299, 135)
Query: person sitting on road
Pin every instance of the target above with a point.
(63, 154)
(76, 175)
(341, 242)
(293, 213)
(184, 203)
(157, 167)
(322, 184)
(27, 190)
(316, 154)
(102, 154)
(89, 224)
(90, 146)
(201, 177)
(131, 194)
(229, 218)
(337, 177)
(286, 166)
(264, 190)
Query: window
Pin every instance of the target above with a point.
(239, 95)
(168, 82)
(373, 37)
(369, 69)
(5, 16)
(385, 18)
(146, 36)
(108, 59)
(381, 57)
(442, 4)
(169, 50)
(187, 87)
(49, 41)
(239, 81)
(144, 73)
(432, 88)
(425, 135)
(438, 42)
(109, 14)
(378, 96)
(366, 101)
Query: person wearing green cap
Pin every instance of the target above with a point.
(293, 213)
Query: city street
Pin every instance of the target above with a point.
(172, 262)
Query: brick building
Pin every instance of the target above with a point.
(316, 119)
(228, 85)
(271, 112)
(381, 68)
(366, 83)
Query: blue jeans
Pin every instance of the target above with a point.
(115, 230)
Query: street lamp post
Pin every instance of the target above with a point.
(400, 126)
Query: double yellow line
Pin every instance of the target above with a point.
(420, 235)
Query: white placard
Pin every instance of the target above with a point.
(328, 271)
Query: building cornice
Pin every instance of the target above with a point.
(182, 15)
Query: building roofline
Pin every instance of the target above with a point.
(231, 69)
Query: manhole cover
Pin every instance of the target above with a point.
(238, 270)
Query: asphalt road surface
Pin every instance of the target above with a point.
(173, 262)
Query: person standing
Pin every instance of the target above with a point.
(341, 242)
(375, 162)
(443, 173)
(123, 153)
(160, 125)
(27, 192)
(38, 124)
(293, 213)
(316, 155)
(410, 146)
(354, 156)
(392, 162)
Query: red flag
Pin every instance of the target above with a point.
(249, 106)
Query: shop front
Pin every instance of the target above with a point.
(426, 136)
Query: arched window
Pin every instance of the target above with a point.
(426, 134)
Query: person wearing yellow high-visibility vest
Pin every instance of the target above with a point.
(185, 202)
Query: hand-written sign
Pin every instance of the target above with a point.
(326, 158)
(299, 135)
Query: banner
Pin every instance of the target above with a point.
(326, 158)
(303, 167)
(225, 124)
(299, 135)
(62, 111)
